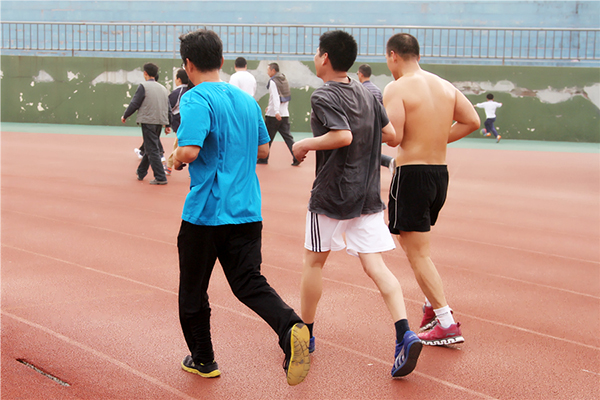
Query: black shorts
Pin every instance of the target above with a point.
(417, 195)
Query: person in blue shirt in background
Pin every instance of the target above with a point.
(222, 134)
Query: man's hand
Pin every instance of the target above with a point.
(300, 150)
(123, 119)
(278, 117)
(178, 165)
(167, 130)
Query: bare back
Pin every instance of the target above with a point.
(422, 107)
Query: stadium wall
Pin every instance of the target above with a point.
(498, 13)
(540, 103)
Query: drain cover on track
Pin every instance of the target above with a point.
(41, 371)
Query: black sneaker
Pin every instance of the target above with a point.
(210, 370)
(157, 182)
(297, 359)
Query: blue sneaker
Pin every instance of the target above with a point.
(407, 354)
(311, 345)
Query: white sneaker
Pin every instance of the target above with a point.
(138, 153)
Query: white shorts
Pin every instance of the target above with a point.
(365, 234)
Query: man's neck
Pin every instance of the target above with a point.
(210, 76)
(409, 67)
(336, 76)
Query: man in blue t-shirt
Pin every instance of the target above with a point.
(221, 135)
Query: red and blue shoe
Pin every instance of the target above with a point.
(407, 354)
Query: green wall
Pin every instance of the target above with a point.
(71, 98)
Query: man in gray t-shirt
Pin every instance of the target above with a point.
(345, 208)
(347, 183)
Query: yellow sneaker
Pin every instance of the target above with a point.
(297, 359)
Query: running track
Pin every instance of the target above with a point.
(89, 282)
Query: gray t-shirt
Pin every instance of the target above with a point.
(347, 183)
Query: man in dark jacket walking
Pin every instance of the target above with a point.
(151, 101)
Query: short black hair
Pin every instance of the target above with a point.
(489, 96)
(341, 49)
(182, 76)
(240, 62)
(365, 69)
(274, 67)
(151, 69)
(203, 48)
(403, 44)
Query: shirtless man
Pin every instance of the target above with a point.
(422, 107)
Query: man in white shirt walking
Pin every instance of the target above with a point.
(277, 116)
(490, 107)
(242, 78)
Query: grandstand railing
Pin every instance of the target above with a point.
(496, 45)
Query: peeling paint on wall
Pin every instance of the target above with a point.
(43, 76)
(593, 93)
(71, 75)
(566, 111)
(301, 77)
(549, 95)
(120, 77)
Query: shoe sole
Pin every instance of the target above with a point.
(299, 364)
(443, 342)
(428, 326)
(212, 374)
(414, 350)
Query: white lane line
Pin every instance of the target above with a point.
(519, 249)
(101, 355)
(426, 376)
(327, 279)
(389, 255)
(458, 313)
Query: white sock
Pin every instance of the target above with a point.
(427, 303)
(444, 316)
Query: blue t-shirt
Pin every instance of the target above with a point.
(227, 124)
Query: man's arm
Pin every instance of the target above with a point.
(263, 150)
(465, 116)
(136, 102)
(333, 139)
(394, 107)
(185, 155)
(276, 101)
(388, 135)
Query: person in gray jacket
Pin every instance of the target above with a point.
(151, 101)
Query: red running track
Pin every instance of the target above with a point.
(89, 282)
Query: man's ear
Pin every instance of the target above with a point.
(222, 61)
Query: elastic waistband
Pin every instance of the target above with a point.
(424, 167)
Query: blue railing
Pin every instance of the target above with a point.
(459, 44)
